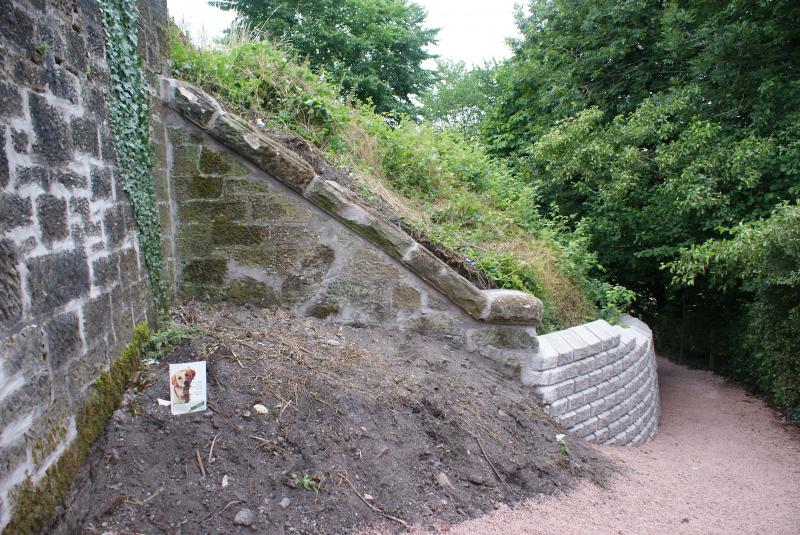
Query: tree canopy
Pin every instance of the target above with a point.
(374, 49)
(668, 132)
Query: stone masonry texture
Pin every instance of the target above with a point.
(72, 283)
(244, 235)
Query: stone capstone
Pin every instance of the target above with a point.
(458, 289)
(512, 306)
(344, 206)
(194, 104)
(269, 155)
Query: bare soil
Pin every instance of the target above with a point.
(385, 429)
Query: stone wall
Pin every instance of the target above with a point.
(72, 283)
(254, 224)
(599, 380)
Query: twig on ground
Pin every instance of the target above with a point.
(377, 510)
(488, 460)
(212, 515)
(211, 449)
(142, 502)
(200, 463)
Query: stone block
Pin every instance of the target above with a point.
(83, 371)
(16, 406)
(84, 135)
(439, 326)
(101, 181)
(55, 279)
(205, 271)
(12, 456)
(128, 266)
(207, 210)
(267, 154)
(68, 179)
(19, 140)
(406, 297)
(221, 163)
(580, 348)
(15, 211)
(53, 141)
(189, 188)
(51, 212)
(506, 337)
(17, 27)
(97, 319)
(544, 358)
(512, 306)
(63, 339)
(10, 100)
(24, 352)
(33, 175)
(455, 287)
(277, 208)
(185, 160)
(115, 225)
(344, 206)
(194, 104)
(10, 285)
(47, 433)
(252, 291)
(225, 232)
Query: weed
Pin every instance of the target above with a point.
(171, 335)
(306, 481)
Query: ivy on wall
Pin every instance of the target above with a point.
(130, 120)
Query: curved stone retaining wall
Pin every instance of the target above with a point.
(599, 380)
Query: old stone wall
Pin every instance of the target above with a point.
(599, 380)
(254, 224)
(72, 282)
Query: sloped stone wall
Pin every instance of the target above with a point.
(599, 380)
(72, 282)
(254, 224)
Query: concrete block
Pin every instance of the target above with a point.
(544, 358)
(564, 352)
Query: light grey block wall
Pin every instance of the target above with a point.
(599, 380)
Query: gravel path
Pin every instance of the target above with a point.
(721, 463)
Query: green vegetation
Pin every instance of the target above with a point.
(666, 133)
(171, 333)
(439, 183)
(373, 49)
(306, 481)
(130, 125)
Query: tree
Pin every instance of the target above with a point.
(667, 131)
(460, 96)
(373, 48)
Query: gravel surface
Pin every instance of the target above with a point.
(721, 463)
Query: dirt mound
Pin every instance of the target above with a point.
(366, 429)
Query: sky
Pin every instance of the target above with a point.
(472, 31)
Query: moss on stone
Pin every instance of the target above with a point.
(200, 211)
(197, 188)
(35, 503)
(206, 271)
(185, 159)
(226, 232)
(251, 291)
(194, 240)
(220, 164)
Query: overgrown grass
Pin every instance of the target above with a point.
(437, 182)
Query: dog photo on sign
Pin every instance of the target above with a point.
(187, 387)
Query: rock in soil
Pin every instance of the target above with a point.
(244, 517)
(384, 413)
